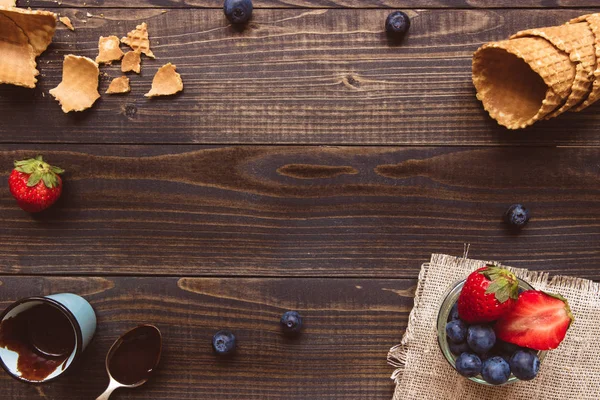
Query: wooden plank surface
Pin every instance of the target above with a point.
(302, 211)
(314, 3)
(296, 76)
(349, 326)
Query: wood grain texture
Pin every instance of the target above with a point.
(314, 3)
(349, 326)
(295, 76)
(227, 211)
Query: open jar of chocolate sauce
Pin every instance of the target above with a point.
(42, 337)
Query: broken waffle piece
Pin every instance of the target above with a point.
(138, 40)
(79, 87)
(108, 50)
(131, 62)
(66, 21)
(119, 85)
(38, 26)
(166, 82)
(17, 63)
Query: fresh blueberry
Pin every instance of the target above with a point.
(223, 342)
(481, 338)
(238, 11)
(458, 348)
(495, 370)
(468, 364)
(456, 331)
(517, 216)
(397, 24)
(291, 322)
(453, 313)
(525, 364)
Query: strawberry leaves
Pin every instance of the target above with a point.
(38, 170)
(503, 283)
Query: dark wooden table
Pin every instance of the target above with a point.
(309, 164)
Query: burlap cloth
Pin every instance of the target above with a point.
(570, 372)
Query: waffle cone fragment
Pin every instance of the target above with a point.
(593, 21)
(119, 85)
(38, 26)
(24, 35)
(166, 82)
(520, 81)
(79, 87)
(138, 40)
(66, 21)
(108, 50)
(17, 57)
(577, 40)
(131, 62)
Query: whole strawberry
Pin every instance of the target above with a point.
(35, 184)
(488, 294)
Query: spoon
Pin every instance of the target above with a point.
(132, 359)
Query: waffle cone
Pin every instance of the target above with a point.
(17, 57)
(79, 87)
(593, 21)
(521, 81)
(577, 40)
(38, 26)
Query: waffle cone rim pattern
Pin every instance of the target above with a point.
(549, 104)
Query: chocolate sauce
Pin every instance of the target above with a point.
(42, 336)
(135, 355)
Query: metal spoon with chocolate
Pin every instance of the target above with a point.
(132, 359)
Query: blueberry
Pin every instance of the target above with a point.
(291, 322)
(516, 216)
(468, 364)
(238, 11)
(458, 348)
(495, 370)
(223, 342)
(397, 24)
(456, 331)
(453, 313)
(525, 364)
(481, 338)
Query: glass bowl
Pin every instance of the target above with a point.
(450, 298)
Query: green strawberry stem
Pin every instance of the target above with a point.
(38, 170)
(504, 284)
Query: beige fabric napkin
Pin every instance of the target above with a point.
(571, 372)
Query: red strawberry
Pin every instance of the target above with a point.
(35, 184)
(539, 321)
(488, 294)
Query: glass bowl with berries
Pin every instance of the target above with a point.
(494, 328)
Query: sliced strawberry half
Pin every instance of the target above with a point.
(538, 321)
